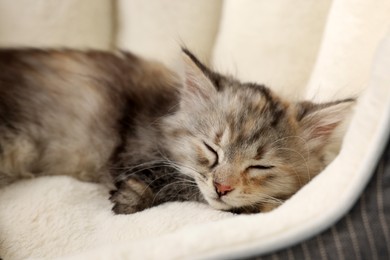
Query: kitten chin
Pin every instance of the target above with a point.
(153, 136)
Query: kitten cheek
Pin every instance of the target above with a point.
(189, 172)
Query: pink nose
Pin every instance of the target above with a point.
(222, 189)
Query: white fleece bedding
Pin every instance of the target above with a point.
(54, 217)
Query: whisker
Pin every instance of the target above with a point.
(295, 136)
(173, 196)
(164, 188)
(304, 160)
(136, 165)
(122, 176)
(178, 164)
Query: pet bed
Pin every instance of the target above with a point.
(321, 50)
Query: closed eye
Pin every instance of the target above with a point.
(261, 167)
(213, 152)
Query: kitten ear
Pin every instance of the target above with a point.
(319, 121)
(196, 82)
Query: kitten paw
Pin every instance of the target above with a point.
(131, 196)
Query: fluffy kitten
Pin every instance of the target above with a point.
(153, 137)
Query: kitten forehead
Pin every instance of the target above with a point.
(251, 114)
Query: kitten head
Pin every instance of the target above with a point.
(245, 147)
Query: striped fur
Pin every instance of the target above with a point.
(154, 137)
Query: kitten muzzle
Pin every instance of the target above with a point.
(222, 189)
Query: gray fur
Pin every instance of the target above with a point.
(153, 137)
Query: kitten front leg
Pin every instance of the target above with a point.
(152, 188)
(132, 195)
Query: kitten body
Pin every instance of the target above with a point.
(154, 137)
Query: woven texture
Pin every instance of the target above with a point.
(362, 234)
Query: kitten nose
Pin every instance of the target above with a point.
(222, 189)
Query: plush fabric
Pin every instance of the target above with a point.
(44, 23)
(363, 233)
(155, 29)
(54, 217)
(352, 35)
(273, 42)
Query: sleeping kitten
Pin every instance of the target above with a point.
(153, 137)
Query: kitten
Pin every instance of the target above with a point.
(153, 137)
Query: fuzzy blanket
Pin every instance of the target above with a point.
(320, 50)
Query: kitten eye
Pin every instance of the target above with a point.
(214, 152)
(261, 167)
